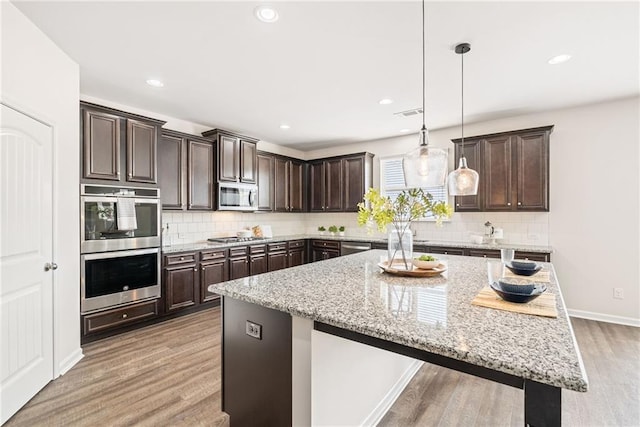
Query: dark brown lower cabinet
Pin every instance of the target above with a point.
(483, 253)
(119, 317)
(445, 250)
(214, 268)
(180, 286)
(296, 257)
(533, 256)
(238, 268)
(278, 257)
(258, 264)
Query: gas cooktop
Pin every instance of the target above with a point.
(233, 239)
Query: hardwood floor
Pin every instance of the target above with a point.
(164, 374)
(169, 374)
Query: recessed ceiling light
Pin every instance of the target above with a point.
(285, 127)
(404, 130)
(385, 101)
(155, 83)
(559, 59)
(266, 14)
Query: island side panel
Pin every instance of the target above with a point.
(256, 372)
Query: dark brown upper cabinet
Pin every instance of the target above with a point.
(265, 180)
(289, 178)
(325, 185)
(513, 168)
(201, 183)
(112, 138)
(185, 174)
(337, 184)
(236, 155)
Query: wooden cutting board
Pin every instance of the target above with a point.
(544, 305)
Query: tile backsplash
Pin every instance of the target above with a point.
(189, 227)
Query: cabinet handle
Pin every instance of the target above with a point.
(519, 203)
(181, 258)
(124, 315)
(446, 253)
(457, 204)
(484, 256)
(509, 204)
(202, 268)
(196, 269)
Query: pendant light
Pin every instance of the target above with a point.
(415, 162)
(463, 181)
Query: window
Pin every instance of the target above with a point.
(392, 178)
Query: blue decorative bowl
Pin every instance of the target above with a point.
(516, 286)
(518, 297)
(529, 269)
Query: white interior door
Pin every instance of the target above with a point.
(26, 294)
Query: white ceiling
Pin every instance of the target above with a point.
(323, 66)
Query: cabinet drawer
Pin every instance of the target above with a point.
(533, 256)
(236, 252)
(257, 249)
(484, 253)
(277, 247)
(119, 316)
(183, 258)
(446, 250)
(294, 244)
(212, 255)
(327, 244)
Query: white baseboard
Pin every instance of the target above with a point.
(387, 402)
(70, 361)
(629, 321)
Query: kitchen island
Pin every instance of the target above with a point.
(271, 323)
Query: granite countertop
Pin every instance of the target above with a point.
(433, 314)
(197, 246)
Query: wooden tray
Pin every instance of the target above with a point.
(415, 272)
(544, 305)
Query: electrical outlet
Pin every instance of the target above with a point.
(618, 293)
(254, 330)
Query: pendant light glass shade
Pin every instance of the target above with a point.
(463, 181)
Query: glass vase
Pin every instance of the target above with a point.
(400, 247)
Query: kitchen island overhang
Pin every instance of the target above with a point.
(429, 319)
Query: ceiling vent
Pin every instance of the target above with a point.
(409, 113)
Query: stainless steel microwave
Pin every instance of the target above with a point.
(237, 197)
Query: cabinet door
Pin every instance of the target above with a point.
(333, 185)
(212, 273)
(316, 187)
(296, 177)
(296, 257)
(238, 268)
(180, 287)
(473, 154)
(248, 161)
(533, 256)
(200, 171)
(101, 145)
(266, 181)
(258, 264)
(353, 175)
(228, 158)
(281, 185)
(172, 170)
(278, 261)
(142, 140)
(532, 159)
(497, 173)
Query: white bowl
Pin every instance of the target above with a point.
(245, 233)
(426, 265)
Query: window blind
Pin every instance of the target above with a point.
(392, 179)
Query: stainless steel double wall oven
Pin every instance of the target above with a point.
(120, 259)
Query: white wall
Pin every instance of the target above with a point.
(41, 80)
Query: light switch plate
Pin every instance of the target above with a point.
(254, 330)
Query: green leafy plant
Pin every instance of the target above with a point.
(321, 228)
(410, 205)
(333, 229)
(341, 229)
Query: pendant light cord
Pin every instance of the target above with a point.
(423, 67)
(462, 86)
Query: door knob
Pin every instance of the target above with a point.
(50, 266)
